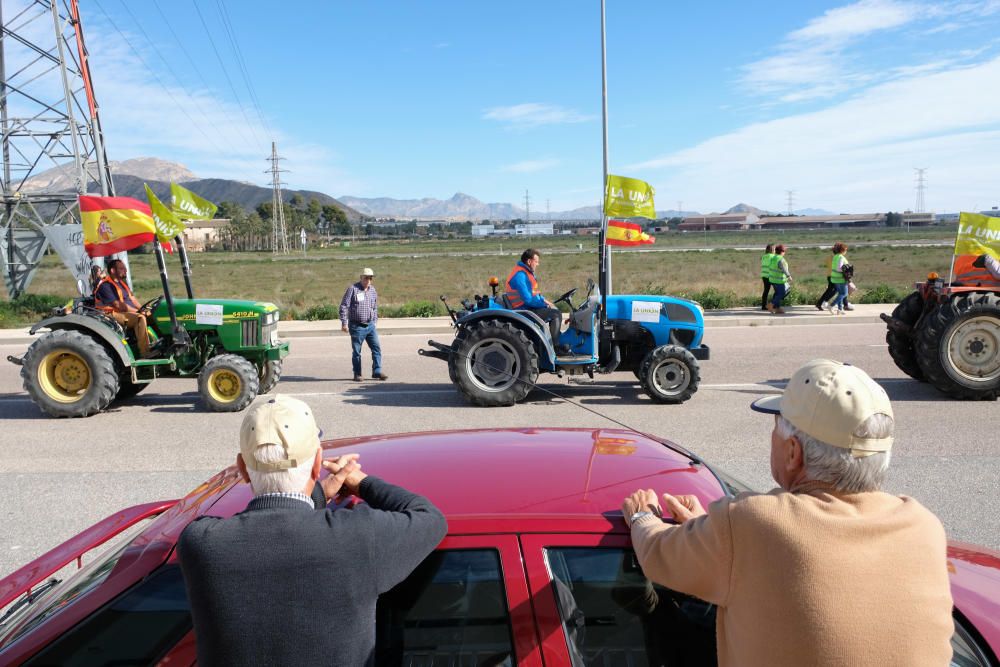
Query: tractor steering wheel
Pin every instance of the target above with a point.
(151, 305)
(566, 297)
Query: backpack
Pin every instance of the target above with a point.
(848, 271)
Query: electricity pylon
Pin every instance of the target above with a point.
(279, 235)
(50, 123)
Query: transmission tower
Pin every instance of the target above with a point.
(791, 200)
(50, 123)
(279, 235)
(527, 208)
(921, 185)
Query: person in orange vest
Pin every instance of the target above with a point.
(522, 292)
(982, 270)
(114, 297)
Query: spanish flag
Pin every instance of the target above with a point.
(627, 234)
(114, 224)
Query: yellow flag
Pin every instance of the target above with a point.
(978, 235)
(628, 198)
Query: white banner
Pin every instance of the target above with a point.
(68, 242)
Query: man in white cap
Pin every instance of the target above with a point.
(825, 570)
(283, 583)
(358, 317)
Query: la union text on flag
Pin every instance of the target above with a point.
(628, 198)
(167, 224)
(114, 224)
(186, 205)
(978, 235)
(624, 233)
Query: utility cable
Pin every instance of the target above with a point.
(241, 61)
(155, 76)
(225, 72)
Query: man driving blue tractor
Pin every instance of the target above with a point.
(522, 293)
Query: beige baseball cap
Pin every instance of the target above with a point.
(829, 400)
(368, 272)
(282, 420)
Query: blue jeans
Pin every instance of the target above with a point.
(780, 290)
(362, 333)
(838, 303)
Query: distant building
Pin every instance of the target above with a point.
(482, 230)
(909, 219)
(534, 229)
(820, 221)
(199, 234)
(726, 221)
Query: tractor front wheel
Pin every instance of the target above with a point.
(959, 346)
(493, 363)
(228, 383)
(69, 374)
(269, 376)
(901, 346)
(670, 374)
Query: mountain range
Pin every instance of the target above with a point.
(130, 175)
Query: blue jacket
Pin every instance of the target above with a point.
(523, 287)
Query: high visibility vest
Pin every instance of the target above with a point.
(968, 274)
(121, 289)
(765, 264)
(777, 275)
(512, 294)
(836, 277)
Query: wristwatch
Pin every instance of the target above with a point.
(638, 515)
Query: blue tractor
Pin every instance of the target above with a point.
(499, 351)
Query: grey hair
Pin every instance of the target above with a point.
(835, 465)
(292, 480)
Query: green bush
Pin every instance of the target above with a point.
(28, 309)
(881, 293)
(413, 309)
(324, 311)
(714, 299)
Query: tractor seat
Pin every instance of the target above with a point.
(506, 302)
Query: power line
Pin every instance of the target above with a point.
(241, 61)
(225, 72)
(180, 84)
(187, 54)
(151, 71)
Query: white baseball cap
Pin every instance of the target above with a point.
(829, 400)
(280, 421)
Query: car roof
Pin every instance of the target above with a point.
(521, 480)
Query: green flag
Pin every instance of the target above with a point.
(628, 198)
(167, 224)
(189, 206)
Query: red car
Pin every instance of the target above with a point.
(536, 567)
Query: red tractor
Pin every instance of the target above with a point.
(948, 335)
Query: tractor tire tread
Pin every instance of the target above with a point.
(478, 332)
(660, 354)
(249, 378)
(902, 348)
(104, 378)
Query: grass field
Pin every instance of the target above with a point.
(410, 276)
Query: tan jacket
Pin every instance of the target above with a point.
(812, 577)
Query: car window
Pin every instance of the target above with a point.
(451, 610)
(613, 615)
(136, 629)
(965, 651)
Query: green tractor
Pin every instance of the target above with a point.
(86, 360)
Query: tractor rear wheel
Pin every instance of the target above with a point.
(269, 376)
(959, 346)
(493, 363)
(228, 383)
(670, 374)
(69, 374)
(901, 346)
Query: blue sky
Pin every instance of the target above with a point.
(713, 104)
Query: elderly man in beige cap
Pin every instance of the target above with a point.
(284, 583)
(358, 317)
(825, 570)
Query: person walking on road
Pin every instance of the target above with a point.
(831, 290)
(765, 273)
(838, 278)
(286, 583)
(826, 569)
(358, 317)
(780, 278)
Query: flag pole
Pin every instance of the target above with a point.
(605, 252)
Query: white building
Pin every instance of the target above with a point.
(482, 230)
(536, 229)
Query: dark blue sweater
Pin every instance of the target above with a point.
(281, 583)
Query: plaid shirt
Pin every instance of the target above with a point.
(359, 312)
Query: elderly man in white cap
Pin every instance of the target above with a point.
(284, 583)
(358, 317)
(825, 570)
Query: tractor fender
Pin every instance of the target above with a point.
(531, 324)
(91, 326)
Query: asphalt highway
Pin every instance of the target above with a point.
(58, 476)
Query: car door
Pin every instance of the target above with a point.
(467, 603)
(594, 606)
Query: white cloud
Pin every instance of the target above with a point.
(534, 115)
(530, 166)
(855, 155)
(857, 19)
